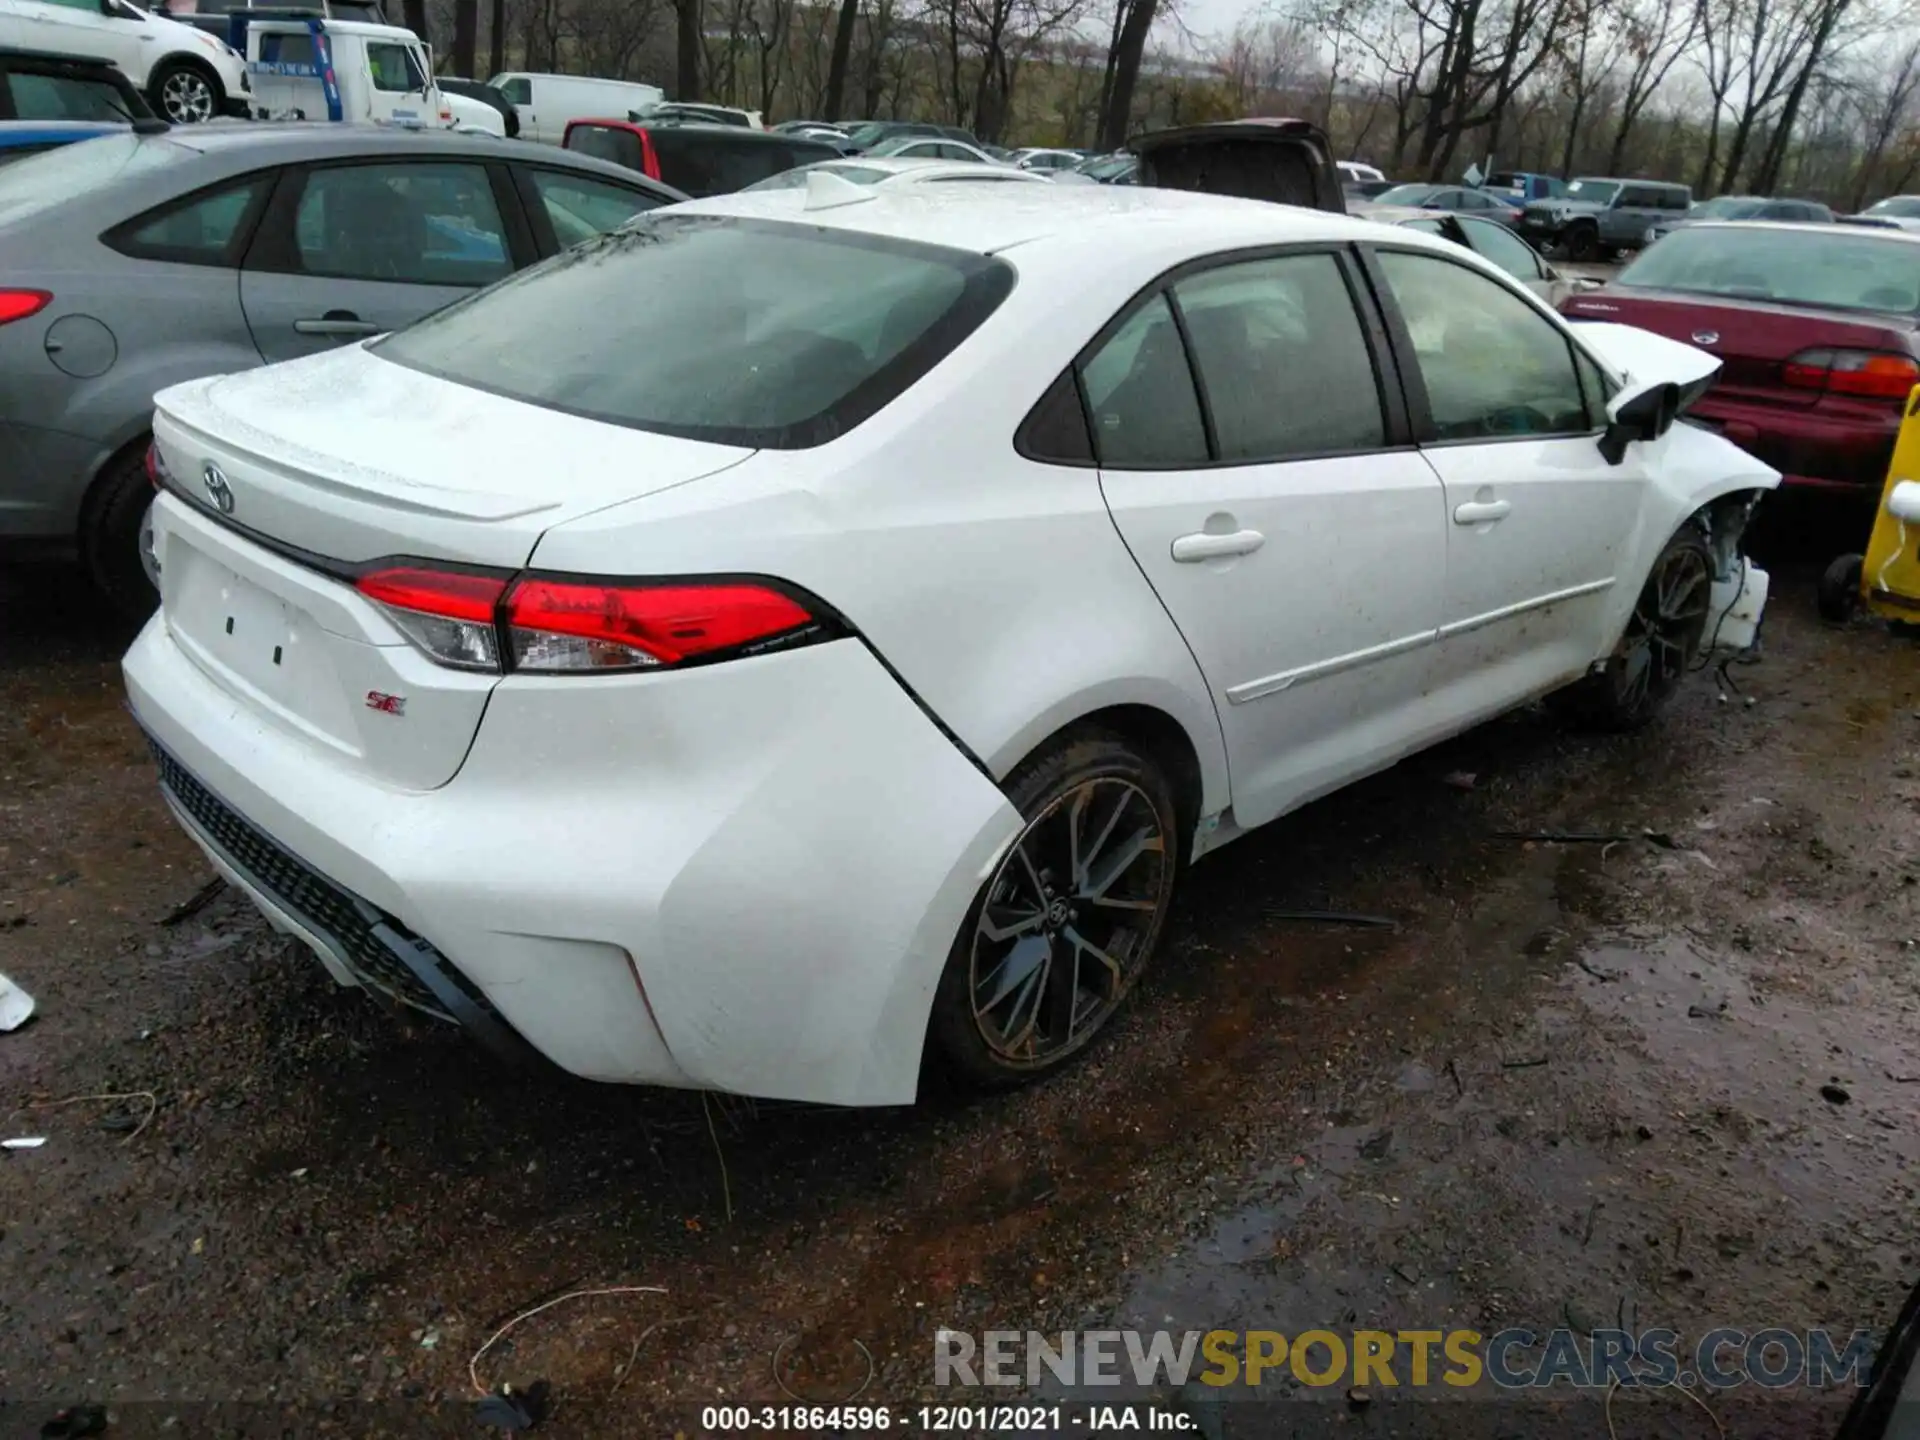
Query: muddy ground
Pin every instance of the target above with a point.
(1575, 1084)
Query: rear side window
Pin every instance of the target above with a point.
(205, 230)
(608, 142)
(1146, 413)
(719, 162)
(415, 223)
(63, 97)
(753, 332)
(288, 49)
(1283, 360)
(580, 208)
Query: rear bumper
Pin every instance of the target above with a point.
(1845, 451)
(744, 877)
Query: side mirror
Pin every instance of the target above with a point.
(1644, 412)
(1904, 502)
(1581, 283)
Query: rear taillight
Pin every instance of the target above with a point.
(580, 625)
(19, 304)
(1871, 374)
(448, 614)
(156, 467)
(553, 625)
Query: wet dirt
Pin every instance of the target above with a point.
(1663, 1081)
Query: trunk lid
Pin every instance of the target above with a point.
(1753, 340)
(1288, 162)
(319, 466)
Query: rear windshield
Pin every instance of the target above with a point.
(71, 172)
(742, 332)
(1728, 207)
(706, 161)
(1830, 270)
(607, 142)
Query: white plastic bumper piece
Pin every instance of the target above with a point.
(743, 877)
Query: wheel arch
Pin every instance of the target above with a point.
(1199, 787)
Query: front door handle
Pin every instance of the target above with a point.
(1481, 512)
(1189, 549)
(341, 324)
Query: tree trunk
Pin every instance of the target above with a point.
(1703, 190)
(497, 35)
(686, 83)
(842, 54)
(1117, 116)
(466, 27)
(415, 14)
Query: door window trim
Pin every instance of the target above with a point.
(1389, 383)
(1426, 433)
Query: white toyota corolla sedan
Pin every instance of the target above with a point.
(805, 629)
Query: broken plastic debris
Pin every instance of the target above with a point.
(511, 1409)
(15, 1005)
(23, 1142)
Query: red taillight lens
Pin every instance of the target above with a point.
(19, 304)
(448, 614)
(1871, 374)
(560, 625)
(156, 466)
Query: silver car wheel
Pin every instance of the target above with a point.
(187, 97)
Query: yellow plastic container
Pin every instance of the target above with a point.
(1890, 576)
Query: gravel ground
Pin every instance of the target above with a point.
(1574, 1082)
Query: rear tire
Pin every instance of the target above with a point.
(1069, 919)
(1656, 649)
(183, 92)
(1839, 591)
(112, 531)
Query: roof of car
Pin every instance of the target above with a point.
(988, 219)
(287, 141)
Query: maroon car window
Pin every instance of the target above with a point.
(1838, 269)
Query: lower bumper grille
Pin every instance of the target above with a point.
(365, 938)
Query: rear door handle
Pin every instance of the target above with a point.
(1189, 549)
(1481, 512)
(338, 323)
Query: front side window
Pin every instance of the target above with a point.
(1503, 248)
(518, 90)
(752, 332)
(204, 231)
(1146, 414)
(1494, 367)
(63, 97)
(412, 222)
(1282, 359)
(580, 209)
(395, 69)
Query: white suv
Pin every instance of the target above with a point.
(187, 74)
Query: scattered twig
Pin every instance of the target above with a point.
(1594, 970)
(634, 1354)
(1335, 917)
(1612, 1434)
(1586, 1239)
(153, 1105)
(194, 903)
(1903, 1079)
(726, 1190)
(859, 1390)
(473, 1365)
(1453, 1069)
(1589, 837)
(1530, 1063)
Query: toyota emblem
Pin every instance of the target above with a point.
(1706, 337)
(218, 490)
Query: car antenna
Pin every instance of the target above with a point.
(828, 191)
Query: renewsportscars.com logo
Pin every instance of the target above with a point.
(1773, 1358)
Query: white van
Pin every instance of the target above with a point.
(545, 103)
(378, 72)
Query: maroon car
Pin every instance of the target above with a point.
(1815, 326)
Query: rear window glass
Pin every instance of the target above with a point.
(1835, 270)
(71, 172)
(717, 162)
(64, 97)
(753, 332)
(293, 49)
(607, 142)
